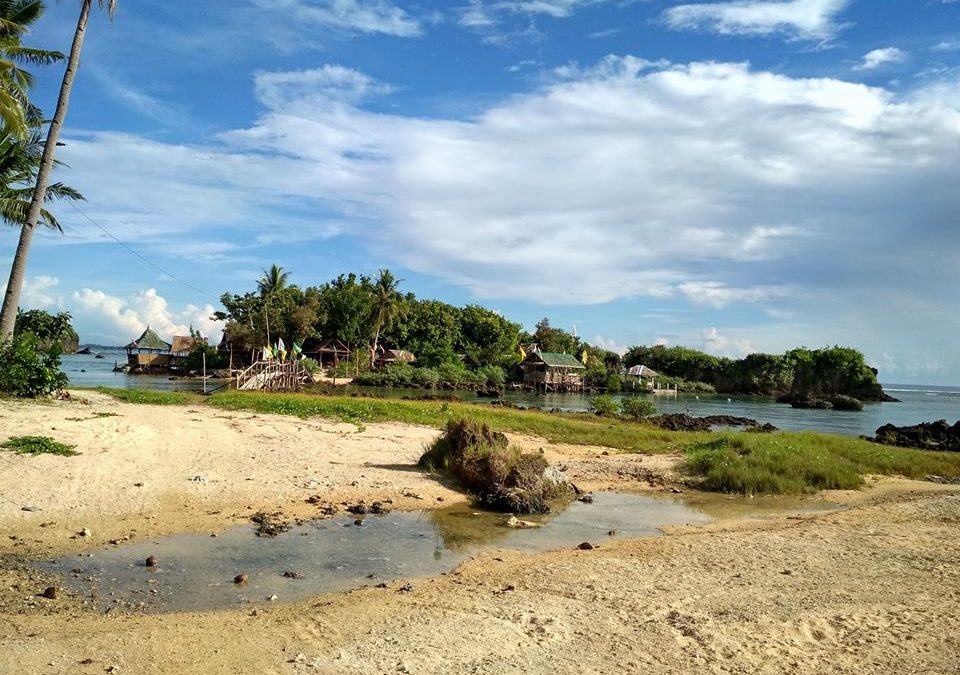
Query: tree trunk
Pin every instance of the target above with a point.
(11, 299)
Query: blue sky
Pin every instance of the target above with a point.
(732, 176)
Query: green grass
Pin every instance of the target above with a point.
(556, 428)
(151, 397)
(795, 463)
(38, 445)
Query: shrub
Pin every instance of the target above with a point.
(637, 408)
(455, 374)
(614, 383)
(311, 366)
(492, 376)
(603, 406)
(425, 377)
(26, 370)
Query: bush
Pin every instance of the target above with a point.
(637, 408)
(614, 383)
(26, 371)
(603, 406)
(456, 375)
(426, 377)
(493, 376)
(311, 366)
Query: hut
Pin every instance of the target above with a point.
(395, 356)
(328, 353)
(641, 375)
(552, 372)
(148, 352)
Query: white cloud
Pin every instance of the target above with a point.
(801, 19)
(880, 57)
(721, 345)
(127, 318)
(707, 182)
(609, 344)
(947, 45)
(364, 16)
(39, 292)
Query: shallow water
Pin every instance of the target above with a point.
(195, 571)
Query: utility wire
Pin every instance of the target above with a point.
(136, 253)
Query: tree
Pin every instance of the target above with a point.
(272, 280)
(49, 329)
(19, 164)
(388, 307)
(11, 300)
(486, 337)
(16, 112)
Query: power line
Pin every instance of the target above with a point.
(136, 253)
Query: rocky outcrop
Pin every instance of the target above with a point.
(938, 435)
(684, 422)
(839, 402)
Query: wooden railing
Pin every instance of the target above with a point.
(272, 375)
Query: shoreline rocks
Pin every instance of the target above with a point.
(939, 435)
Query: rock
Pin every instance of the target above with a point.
(846, 403)
(939, 435)
(50, 592)
(152, 561)
(269, 525)
(381, 585)
(406, 588)
(293, 575)
(359, 509)
(85, 532)
(811, 404)
(586, 499)
(586, 546)
(358, 522)
(240, 579)
(379, 508)
(273, 598)
(518, 524)
(30, 508)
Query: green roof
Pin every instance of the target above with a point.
(558, 360)
(149, 340)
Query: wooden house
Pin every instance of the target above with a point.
(148, 352)
(183, 345)
(394, 356)
(330, 352)
(552, 372)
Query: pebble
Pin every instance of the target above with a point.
(50, 592)
(586, 546)
(85, 532)
(240, 579)
(152, 561)
(273, 598)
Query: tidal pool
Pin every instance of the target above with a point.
(196, 571)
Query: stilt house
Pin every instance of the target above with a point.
(552, 372)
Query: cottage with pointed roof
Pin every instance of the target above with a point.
(147, 352)
(552, 372)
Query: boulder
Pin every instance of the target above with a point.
(939, 435)
(846, 403)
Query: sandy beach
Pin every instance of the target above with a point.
(871, 587)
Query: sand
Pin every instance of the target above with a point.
(872, 588)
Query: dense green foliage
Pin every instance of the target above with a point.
(38, 445)
(49, 329)
(603, 406)
(27, 370)
(802, 372)
(636, 409)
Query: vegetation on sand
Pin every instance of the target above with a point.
(38, 445)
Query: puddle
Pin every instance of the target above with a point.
(196, 572)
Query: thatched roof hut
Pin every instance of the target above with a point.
(148, 342)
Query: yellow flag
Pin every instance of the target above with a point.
(523, 354)
(584, 357)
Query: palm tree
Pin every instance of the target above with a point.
(11, 300)
(388, 307)
(19, 164)
(273, 280)
(16, 17)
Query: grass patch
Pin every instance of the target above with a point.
(569, 428)
(38, 445)
(150, 397)
(796, 463)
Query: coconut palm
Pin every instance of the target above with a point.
(19, 164)
(388, 307)
(11, 300)
(273, 280)
(16, 17)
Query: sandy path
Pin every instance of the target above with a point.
(874, 589)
